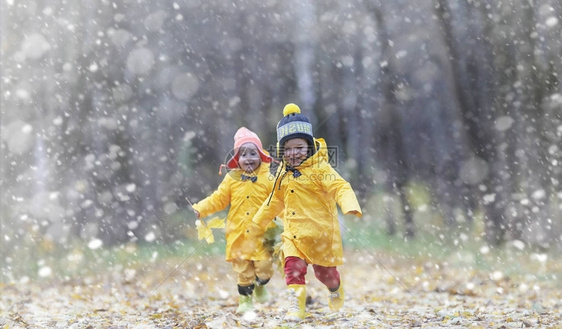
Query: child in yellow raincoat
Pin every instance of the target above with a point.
(245, 188)
(308, 188)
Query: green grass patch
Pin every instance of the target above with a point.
(463, 248)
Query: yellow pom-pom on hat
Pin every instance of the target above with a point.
(291, 109)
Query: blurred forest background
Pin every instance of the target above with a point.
(443, 112)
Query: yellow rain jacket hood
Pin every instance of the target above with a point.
(245, 198)
(312, 230)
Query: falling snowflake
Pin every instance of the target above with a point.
(45, 271)
(95, 244)
(552, 21)
(150, 237)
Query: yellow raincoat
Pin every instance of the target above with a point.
(245, 197)
(312, 230)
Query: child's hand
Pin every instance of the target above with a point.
(196, 213)
(354, 212)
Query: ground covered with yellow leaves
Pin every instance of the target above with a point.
(381, 291)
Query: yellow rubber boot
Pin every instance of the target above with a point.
(297, 303)
(336, 298)
(245, 304)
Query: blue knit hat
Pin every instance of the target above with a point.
(293, 125)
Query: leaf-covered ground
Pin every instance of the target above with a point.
(381, 292)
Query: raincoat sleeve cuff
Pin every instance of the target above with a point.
(199, 209)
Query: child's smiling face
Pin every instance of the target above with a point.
(295, 151)
(249, 157)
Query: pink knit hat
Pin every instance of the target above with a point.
(242, 136)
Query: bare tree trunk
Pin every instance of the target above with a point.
(304, 56)
(477, 113)
(392, 143)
